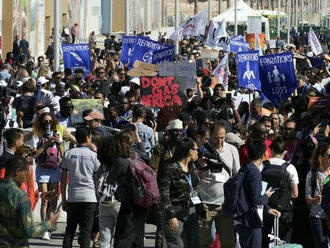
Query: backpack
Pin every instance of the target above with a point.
(106, 192)
(277, 177)
(50, 157)
(235, 204)
(144, 183)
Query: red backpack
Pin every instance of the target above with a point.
(50, 157)
(144, 183)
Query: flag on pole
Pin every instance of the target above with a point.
(221, 72)
(194, 26)
(313, 42)
(258, 46)
(218, 36)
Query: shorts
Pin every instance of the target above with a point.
(48, 175)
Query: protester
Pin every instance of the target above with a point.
(221, 162)
(315, 177)
(281, 200)
(180, 197)
(16, 216)
(15, 139)
(249, 226)
(114, 151)
(81, 165)
(46, 141)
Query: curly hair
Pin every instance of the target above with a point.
(38, 128)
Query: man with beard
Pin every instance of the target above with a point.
(160, 154)
(64, 116)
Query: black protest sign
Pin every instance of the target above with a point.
(159, 92)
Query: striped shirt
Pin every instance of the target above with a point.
(16, 223)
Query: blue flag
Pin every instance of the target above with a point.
(128, 43)
(77, 56)
(248, 70)
(163, 55)
(239, 46)
(277, 76)
(143, 50)
(316, 62)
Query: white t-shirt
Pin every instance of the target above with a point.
(211, 184)
(294, 179)
(81, 164)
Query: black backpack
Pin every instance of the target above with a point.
(277, 177)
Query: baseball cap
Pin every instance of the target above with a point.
(42, 80)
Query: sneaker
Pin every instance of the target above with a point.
(45, 236)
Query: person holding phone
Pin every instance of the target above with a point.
(46, 141)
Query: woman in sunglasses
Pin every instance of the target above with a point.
(46, 141)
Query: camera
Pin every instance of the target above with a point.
(213, 161)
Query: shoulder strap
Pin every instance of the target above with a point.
(313, 182)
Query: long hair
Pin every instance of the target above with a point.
(319, 152)
(115, 146)
(38, 127)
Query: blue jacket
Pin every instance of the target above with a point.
(252, 189)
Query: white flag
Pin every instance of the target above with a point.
(194, 26)
(221, 72)
(217, 36)
(258, 45)
(314, 42)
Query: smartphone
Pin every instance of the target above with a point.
(58, 208)
(274, 189)
(228, 98)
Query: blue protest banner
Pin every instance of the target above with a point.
(238, 38)
(239, 46)
(77, 56)
(163, 55)
(128, 43)
(248, 70)
(316, 62)
(277, 76)
(143, 50)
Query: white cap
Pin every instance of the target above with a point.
(19, 83)
(124, 90)
(42, 80)
(136, 80)
(175, 124)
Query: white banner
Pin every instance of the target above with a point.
(221, 72)
(313, 42)
(254, 25)
(217, 36)
(194, 26)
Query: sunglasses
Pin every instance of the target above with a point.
(47, 122)
(124, 103)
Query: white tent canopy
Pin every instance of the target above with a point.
(243, 11)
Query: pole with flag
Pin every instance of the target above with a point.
(236, 17)
(221, 72)
(194, 26)
(313, 42)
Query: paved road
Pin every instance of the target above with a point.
(57, 238)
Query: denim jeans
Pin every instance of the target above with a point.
(320, 232)
(107, 221)
(81, 213)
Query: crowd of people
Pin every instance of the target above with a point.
(193, 150)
